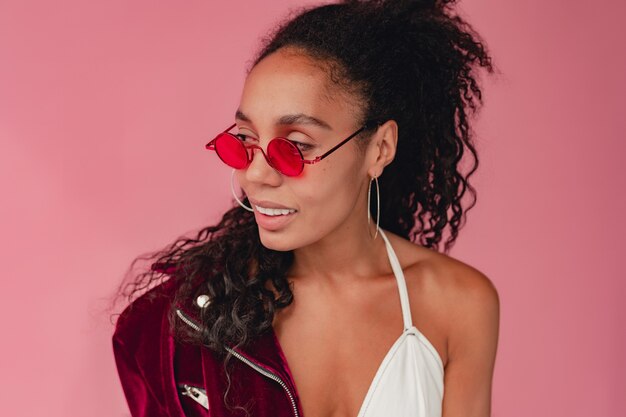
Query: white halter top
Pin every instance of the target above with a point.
(409, 380)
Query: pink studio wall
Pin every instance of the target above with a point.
(104, 110)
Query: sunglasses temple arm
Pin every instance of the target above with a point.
(331, 150)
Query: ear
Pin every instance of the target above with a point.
(382, 149)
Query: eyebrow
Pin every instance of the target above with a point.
(290, 119)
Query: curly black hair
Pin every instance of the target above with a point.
(411, 61)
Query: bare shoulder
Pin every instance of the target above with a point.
(469, 298)
(457, 282)
(463, 288)
(461, 301)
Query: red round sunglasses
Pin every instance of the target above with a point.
(282, 154)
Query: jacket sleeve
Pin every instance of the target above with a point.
(140, 399)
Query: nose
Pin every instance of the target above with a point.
(259, 170)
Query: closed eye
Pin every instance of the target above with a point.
(304, 147)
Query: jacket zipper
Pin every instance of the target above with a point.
(264, 371)
(195, 393)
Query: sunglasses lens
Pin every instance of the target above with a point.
(231, 151)
(285, 157)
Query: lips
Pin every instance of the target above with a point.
(269, 204)
(273, 223)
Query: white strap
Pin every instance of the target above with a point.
(397, 270)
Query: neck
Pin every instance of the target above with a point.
(347, 254)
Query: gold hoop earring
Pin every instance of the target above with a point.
(369, 189)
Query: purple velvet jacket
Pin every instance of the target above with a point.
(151, 366)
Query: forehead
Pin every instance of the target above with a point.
(287, 82)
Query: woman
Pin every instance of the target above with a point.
(316, 295)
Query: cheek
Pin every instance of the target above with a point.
(327, 193)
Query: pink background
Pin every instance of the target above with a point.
(105, 108)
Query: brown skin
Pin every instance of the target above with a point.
(346, 312)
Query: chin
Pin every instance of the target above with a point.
(274, 240)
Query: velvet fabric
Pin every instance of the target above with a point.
(150, 364)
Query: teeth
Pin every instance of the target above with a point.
(274, 212)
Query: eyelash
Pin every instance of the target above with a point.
(302, 146)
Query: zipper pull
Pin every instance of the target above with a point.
(195, 393)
